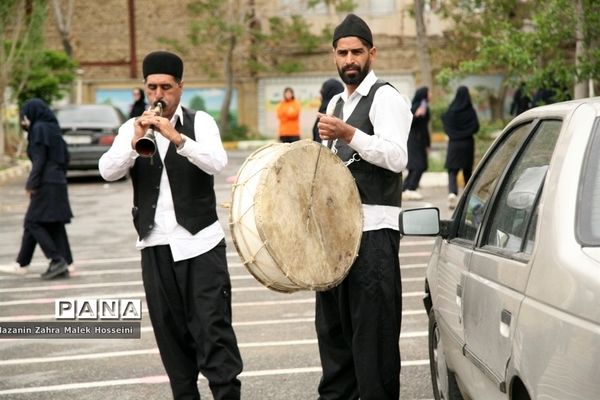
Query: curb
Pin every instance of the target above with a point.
(22, 167)
(429, 179)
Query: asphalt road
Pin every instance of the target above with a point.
(275, 331)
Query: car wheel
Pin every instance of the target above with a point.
(442, 380)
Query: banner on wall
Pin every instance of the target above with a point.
(307, 92)
(200, 99)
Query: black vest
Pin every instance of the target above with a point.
(192, 189)
(376, 185)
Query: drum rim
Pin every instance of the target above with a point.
(272, 252)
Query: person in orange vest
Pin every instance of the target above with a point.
(288, 113)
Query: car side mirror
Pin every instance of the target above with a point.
(420, 222)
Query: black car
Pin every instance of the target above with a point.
(89, 130)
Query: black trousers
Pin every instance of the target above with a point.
(413, 179)
(189, 303)
(452, 179)
(52, 238)
(358, 325)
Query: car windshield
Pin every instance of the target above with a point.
(588, 206)
(87, 115)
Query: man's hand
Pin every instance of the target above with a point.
(331, 128)
(160, 124)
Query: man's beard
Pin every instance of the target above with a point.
(358, 76)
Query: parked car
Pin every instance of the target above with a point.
(512, 287)
(89, 130)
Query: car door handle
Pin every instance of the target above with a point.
(505, 320)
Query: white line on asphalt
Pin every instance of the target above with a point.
(402, 254)
(158, 379)
(69, 286)
(83, 272)
(135, 295)
(46, 317)
(128, 353)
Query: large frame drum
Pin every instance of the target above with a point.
(296, 217)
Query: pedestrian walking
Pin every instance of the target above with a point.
(460, 124)
(358, 322)
(288, 113)
(184, 268)
(419, 143)
(49, 208)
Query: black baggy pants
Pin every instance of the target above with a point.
(189, 303)
(358, 325)
(52, 238)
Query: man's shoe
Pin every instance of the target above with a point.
(14, 269)
(55, 269)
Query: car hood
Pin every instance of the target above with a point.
(86, 125)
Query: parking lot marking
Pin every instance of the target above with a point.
(136, 295)
(144, 352)
(159, 379)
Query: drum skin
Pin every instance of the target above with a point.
(296, 217)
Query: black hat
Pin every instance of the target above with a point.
(162, 62)
(353, 25)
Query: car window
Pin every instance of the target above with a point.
(481, 191)
(588, 204)
(513, 209)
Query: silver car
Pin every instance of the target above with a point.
(513, 283)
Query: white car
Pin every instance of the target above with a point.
(513, 283)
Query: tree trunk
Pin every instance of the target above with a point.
(422, 45)
(581, 89)
(224, 116)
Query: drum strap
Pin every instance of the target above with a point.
(338, 111)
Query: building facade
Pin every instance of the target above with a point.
(109, 40)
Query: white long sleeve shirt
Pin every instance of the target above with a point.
(391, 118)
(206, 152)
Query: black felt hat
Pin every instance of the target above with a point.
(162, 62)
(353, 25)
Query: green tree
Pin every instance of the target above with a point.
(238, 38)
(527, 41)
(48, 77)
(197, 103)
(21, 23)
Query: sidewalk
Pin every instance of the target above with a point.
(429, 179)
(21, 168)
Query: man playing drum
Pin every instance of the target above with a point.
(358, 321)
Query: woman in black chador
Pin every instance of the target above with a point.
(49, 208)
(418, 143)
(139, 105)
(330, 88)
(460, 124)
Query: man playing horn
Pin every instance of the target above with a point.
(184, 269)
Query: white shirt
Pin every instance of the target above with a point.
(206, 152)
(391, 118)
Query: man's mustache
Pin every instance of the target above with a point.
(351, 67)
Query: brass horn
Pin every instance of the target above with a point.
(146, 145)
